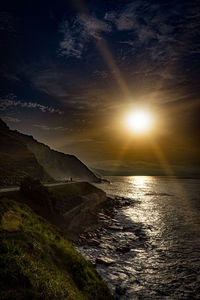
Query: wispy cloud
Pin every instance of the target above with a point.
(124, 20)
(69, 45)
(77, 33)
(11, 101)
(10, 119)
(49, 128)
(144, 25)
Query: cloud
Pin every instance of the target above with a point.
(69, 45)
(10, 119)
(77, 33)
(62, 85)
(101, 74)
(154, 33)
(124, 20)
(51, 80)
(132, 18)
(48, 128)
(93, 26)
(164, 35)
(11, 101)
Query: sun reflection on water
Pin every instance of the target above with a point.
(139, 181)
(158, 239)
(143, 191)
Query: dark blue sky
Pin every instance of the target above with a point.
(70, 69)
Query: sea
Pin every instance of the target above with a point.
(154, 246)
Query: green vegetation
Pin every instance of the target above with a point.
(37, 262)
(36, 193)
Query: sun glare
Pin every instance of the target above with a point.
(139, 121)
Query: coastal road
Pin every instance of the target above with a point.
(16, 188)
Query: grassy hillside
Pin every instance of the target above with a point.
(71, 207)
(37, 262)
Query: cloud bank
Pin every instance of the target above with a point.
(10, 101)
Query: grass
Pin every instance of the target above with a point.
(37, 262)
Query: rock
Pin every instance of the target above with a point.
(114, 220)
(120, 290)
(104, 261)
(102, 216)
(93, 242)
(163, 293)
(123, 249)
(114, 227)
(126, 203)
(106, 246)
(138, 232)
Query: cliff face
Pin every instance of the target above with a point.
(57, 164)
(16, 160)
(22, 155)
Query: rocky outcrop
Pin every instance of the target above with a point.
(83, 216)
(75, 207)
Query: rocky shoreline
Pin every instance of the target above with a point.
(104, 220)
(112, 241)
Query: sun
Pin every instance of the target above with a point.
(139, 121)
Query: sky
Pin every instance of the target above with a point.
(71, 70)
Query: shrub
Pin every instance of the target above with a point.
(34, 190)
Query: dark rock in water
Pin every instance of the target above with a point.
(102, 216)
(163, 293)
(126, 203)
(104, 261)
(93, 242)
(105, 180)
(114, 220)
(120, 290)
(115, 227)
(123, 249)
(138, 232)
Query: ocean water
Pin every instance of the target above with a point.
(155, 247)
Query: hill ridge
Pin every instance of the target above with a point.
(52, 164)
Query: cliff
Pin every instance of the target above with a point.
(57, 164)
(16, 160)
(22, 155)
